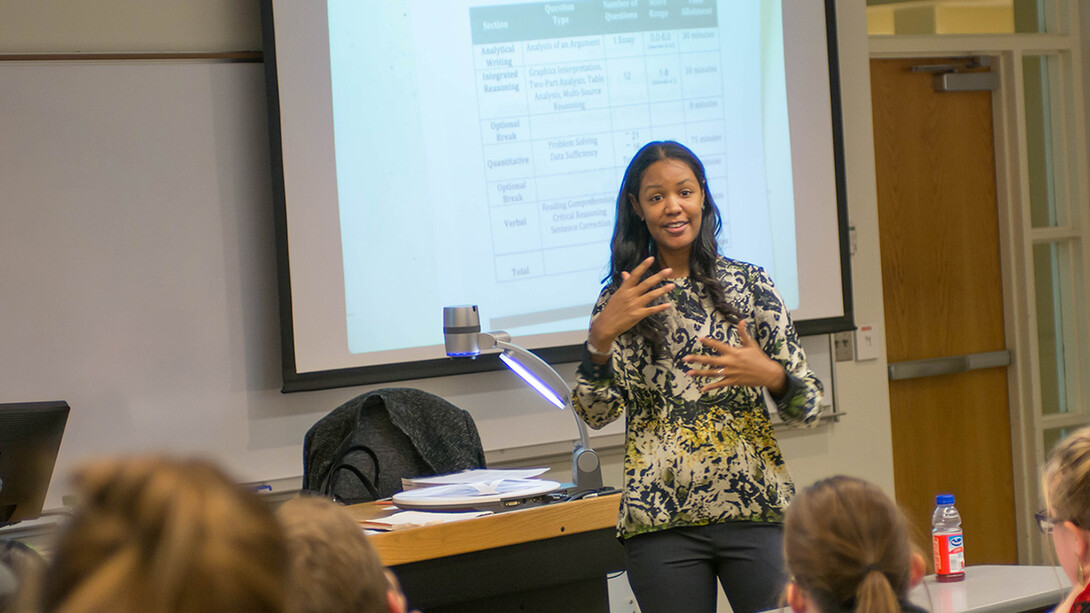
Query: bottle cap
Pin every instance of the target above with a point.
(944, 499)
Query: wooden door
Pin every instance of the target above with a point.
(941, 278)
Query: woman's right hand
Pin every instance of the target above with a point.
(629, 304)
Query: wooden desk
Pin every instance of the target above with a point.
(548, 558)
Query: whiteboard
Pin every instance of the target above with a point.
(137, 273)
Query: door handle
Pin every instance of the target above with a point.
(913, 369)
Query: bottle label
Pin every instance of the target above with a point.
(949, 553)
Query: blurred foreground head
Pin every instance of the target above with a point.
(333, 567)
(163, 535)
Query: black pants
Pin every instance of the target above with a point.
(677, 569)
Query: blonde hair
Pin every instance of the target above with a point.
(159, 535)
(1066, 478)
(847, 547)
(333, 567)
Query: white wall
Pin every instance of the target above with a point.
(112, 347)
(861, 444)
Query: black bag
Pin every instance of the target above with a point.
(348, 492)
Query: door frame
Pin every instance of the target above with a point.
(1016, 241)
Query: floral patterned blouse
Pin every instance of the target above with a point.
(693, 458)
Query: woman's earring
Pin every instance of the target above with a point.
(1080, 575)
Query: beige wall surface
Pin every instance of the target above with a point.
(1084, 35)
(859, 444)
(129, 26)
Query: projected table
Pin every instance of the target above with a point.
(567, 92)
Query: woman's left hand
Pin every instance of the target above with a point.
(745, 365)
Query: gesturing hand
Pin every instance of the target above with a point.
(629, 304)
(745, 365)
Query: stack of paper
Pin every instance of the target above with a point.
(473, 489)
(473, 476)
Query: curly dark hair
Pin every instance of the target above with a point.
(632, 242)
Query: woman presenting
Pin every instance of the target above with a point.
(685, 342)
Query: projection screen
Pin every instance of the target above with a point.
(428, 154)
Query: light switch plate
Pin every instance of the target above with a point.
(866, 342)
(842, 346)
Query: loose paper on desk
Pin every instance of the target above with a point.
(415, 519)
(476, 475)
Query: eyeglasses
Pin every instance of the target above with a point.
(1046, 522)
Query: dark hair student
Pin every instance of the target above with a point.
(684, 343)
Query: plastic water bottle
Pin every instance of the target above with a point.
(946, 540)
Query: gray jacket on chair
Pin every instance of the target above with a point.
(362, 449)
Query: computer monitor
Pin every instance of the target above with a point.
(30, 436)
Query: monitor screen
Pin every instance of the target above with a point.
(30, 436)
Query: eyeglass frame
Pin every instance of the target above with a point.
(1045, 522)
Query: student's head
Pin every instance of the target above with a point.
(161, 535)
(1066, 485)
(847, 548)
(333, 568)
(633, 238)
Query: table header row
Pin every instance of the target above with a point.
(543, 20)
